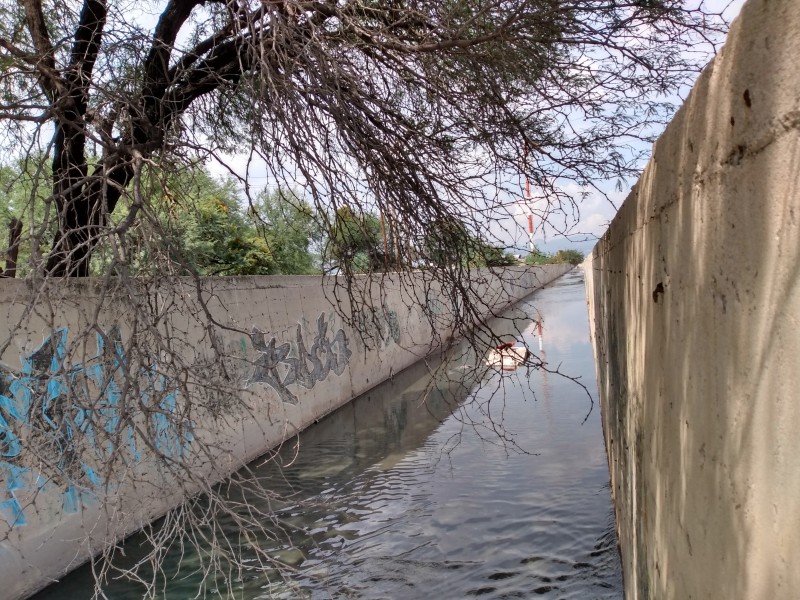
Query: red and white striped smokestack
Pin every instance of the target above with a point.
(528, 200)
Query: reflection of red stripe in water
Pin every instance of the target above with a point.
(530, 223)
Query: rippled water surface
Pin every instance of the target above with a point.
(409, 492)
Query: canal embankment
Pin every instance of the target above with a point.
(453, 479)
(694, 297)
(85, 462)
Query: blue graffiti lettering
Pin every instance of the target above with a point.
(73, 411)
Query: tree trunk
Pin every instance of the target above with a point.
(14, 235)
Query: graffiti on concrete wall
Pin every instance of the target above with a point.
(280, 365)
(72, 413)
(62, 421)
(379, 326)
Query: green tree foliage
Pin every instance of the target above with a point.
(24, 195)
(493, 256)
(289, 225)
(449, 242)
(574, 257)
(538, 258)
(355, 241)
(200, 221)
(218, 232)
(219, 240)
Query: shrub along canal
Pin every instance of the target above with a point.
(453, 480)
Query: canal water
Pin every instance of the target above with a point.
(453, 480)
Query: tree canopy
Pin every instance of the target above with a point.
(355, 243)
(205, 225)
(420, 108)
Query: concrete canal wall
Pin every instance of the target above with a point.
(694, 301)
(83, 463)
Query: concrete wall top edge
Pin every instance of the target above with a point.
(13, 287)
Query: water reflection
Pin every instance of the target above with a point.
(453, 480)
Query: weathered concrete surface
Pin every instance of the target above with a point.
(694, 301)
(67, 488)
